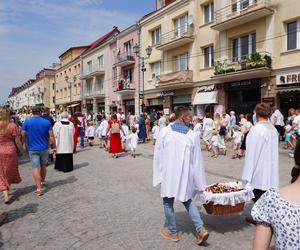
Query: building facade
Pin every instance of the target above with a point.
(125, 72)
(221, 55)
(67, 90)
(35, 92)
(96, 75)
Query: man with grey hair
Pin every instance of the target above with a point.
(64, 132)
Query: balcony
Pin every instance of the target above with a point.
(125, 87)
(124, 59)
(179, 79)
(92, 94)
(257, 65)
(176, 38)
(93, 70)
(241, 12)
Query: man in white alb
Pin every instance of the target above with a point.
(178, 168)
(261, 161)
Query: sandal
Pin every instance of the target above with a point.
(39, 192)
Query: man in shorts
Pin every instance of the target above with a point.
(37, 131)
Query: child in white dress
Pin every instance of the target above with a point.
(155, 132)
(132, 140)
(237, 141)
(91, 133)
(124, 135)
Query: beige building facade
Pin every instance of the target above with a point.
(67, 90)
(222, 55)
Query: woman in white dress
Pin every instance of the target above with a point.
(208, 126)
(197, 125)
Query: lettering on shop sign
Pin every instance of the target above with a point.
(165, 94)
(288, 79)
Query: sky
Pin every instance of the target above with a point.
(33, 33)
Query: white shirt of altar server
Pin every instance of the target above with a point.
(178, 164)
(261, 160)
(64, 137)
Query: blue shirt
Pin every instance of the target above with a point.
(180, 127)
(37, 129)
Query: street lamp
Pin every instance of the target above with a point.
(137, 51)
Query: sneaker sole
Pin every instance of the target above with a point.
(167, 238)
(204, 239)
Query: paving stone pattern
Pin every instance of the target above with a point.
(110, 203)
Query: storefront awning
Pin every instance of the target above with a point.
(206, 98)
(73, 105)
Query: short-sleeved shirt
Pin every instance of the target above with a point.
(37, 129)
(282, 216)
(297, 121)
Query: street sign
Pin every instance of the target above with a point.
(141, 96)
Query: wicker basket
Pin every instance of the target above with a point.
(223, 210)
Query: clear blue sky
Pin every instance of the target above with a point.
(33, 33)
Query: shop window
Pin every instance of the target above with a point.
(208, 57)
(156, 36)
(155, 69)
(292, 35)
(181, 62)
(208, 13)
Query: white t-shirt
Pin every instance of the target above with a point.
(277, 118)
(126, 132)
(102, 129)
(155, 131)
(215, 141)
(237, 137)
(91, 131)
(297, 122)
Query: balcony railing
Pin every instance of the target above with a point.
(240, 12)
(125, 86)
(124, 59)
(176, 38)
(184, 78)
(257, 65)
(93, 70)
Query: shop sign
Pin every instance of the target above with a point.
(269, 100)
(165, 94)
(243, 85)
(288, 79)
(208, 88)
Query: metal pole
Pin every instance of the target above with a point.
(143, 81)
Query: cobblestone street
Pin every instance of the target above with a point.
(110, 203)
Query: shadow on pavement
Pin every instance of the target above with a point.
(18, 213)
(30, 189)
(81, 165)
(219, 224)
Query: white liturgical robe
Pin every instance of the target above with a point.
(178, 164)
(261, 160)
(64, 137)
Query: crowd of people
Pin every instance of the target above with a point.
(178, 165)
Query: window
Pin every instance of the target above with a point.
(128, 75)
(160, 3)
(208, 57)
(156, 34)
(238, 5)
(292, 35)
(99, 84)
(89, 86)
(181, 25)
(181, 62)
(101, 62)
(89, 65)
(155, 69)
(115, 76)
(209, 13)
(128, 47)
(243, 46)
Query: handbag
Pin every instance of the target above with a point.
(115, 128)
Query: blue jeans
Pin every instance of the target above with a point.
(39, 159)
(170, 215)
(81, 134)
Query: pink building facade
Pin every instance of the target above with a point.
(125, 71)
